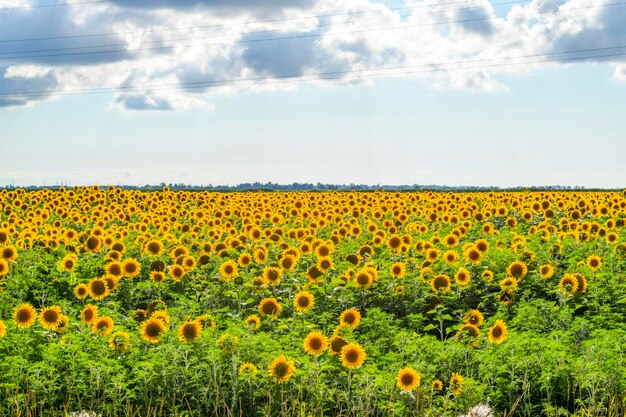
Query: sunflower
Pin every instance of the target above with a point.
(352, 355)
(119, 341)
(324, 264)
(350, 318)
(474, 317)
(103, 325)
(260, 256)
(517, 270)
(498, 332)
(228, 270)
(111, 282)
(206, 320)
(363, 279)
(568, 284)
(450, 257)
(189, 331)
(487, 275)
(462, 277)
(253, 322)
(68, 263)
(50, 317)
(157, 276)
(244, 260)
(303, 301)
(89, 314)
(281, 369)
(336, 344)
(8, 253)
(4, 267)
(315, 343)
(582, 283)
(114, 269)
(594, 262)
(64, 322)
(154, 247)
(248, 370)
(473, 255)
(508, 284)
(456, 383)
(482, 245)
(324, 250)
(270, 307)
(437, 385)
(441, 283)
(152, 330)
(81, 291)
(408, 379)
(287, 263)
(394, 243)
(397, 270)
(163, 316)
(24, 316)
(468, 331)
(131, 268)
(272, 275)
(3, 329)
(177, 272)
(98, 288)
(93, 243)
(546, 271)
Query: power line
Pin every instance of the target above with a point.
(113, 45)
(395, 9)
(382, 71)
(40, 6)
(314, 35)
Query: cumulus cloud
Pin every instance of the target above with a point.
(174, 55)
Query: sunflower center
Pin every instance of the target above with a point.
(407, 379)
(352, 356)
(153, 330)
(50, 316)
(23, 316)
(190, 331)
(98, 287)
(315, 343)
(281, 369)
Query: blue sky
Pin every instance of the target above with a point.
(528, 124)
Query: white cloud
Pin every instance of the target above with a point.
(215, 45)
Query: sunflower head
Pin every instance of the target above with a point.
(303, 301)
(253, 322)
(119, 341)
(98, 288)
(24, 316)
(50, 317)
(270, 307)
(152, 330)
(498, 332)
(189, 331)
(315, 343)
(440, 284)
(281, 369)
(350, 318)
(248, 370)
(103, 325)
(352, 355)
(408, 379)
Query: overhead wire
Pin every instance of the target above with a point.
(312, 35)
(369, 72)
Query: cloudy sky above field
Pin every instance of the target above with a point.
(454, 92)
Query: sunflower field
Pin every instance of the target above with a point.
(172, 303)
